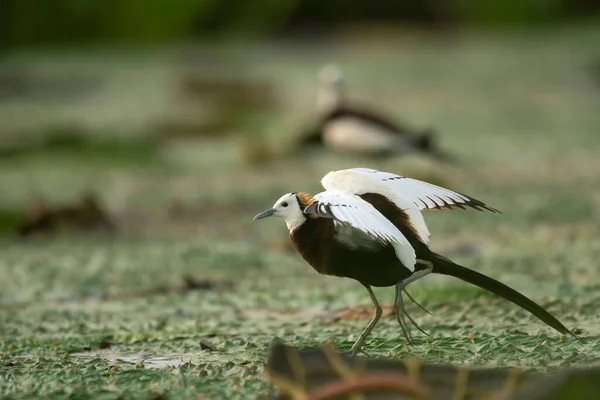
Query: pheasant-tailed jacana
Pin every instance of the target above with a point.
(367, 225)
(360, 129)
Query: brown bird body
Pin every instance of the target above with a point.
(315, 242)
(377, 266)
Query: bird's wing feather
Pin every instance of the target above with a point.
(357, 182)
(350, 209)
(425, 196)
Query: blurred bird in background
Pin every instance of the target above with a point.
(360, 129)
(87, 214)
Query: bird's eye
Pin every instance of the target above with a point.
(284, 204)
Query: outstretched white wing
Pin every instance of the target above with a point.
(425, 196)
(350, 209)
(359, 181)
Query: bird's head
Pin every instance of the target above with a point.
(290, 207)
(332, 75)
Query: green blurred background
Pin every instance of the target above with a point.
(176, 120)
(35, 22)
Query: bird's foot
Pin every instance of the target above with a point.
(352, 353)
(357, 348)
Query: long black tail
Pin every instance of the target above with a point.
(442, 265)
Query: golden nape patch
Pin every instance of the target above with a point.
(304, 199)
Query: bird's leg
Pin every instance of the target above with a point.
(399, 310)
(419, 274)
(414, 277)
(378, 311)
(401, 313)
(399, 301)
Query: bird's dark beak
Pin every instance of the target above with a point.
(268, 213)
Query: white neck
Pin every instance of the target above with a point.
(328, 98)
(295, 223)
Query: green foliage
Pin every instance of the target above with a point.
(28, 22)
(10, 220)
(136, 21)
(257, 18)
(78, 21)
(75, 145)
(510, 12)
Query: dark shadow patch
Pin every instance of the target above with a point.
(320, 373)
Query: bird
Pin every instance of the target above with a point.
(357, 128)
(85, 215)
(368, 225)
